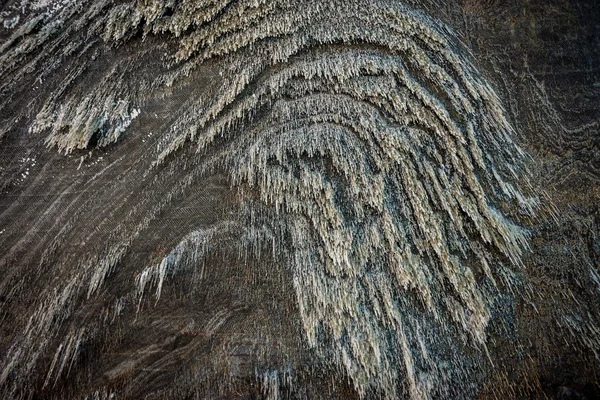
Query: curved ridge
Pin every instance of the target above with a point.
(386, 169)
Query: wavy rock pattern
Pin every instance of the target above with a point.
(386, 164)
(368, 153)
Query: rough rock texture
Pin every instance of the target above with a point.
(299, 199)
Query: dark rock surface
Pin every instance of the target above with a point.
(186, 210)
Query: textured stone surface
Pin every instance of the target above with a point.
(299, 199)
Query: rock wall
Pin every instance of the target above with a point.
(299, 199)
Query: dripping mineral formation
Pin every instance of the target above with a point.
(286, 199)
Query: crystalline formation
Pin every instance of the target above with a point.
(369, 156)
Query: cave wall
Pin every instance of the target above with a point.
(240, 199)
